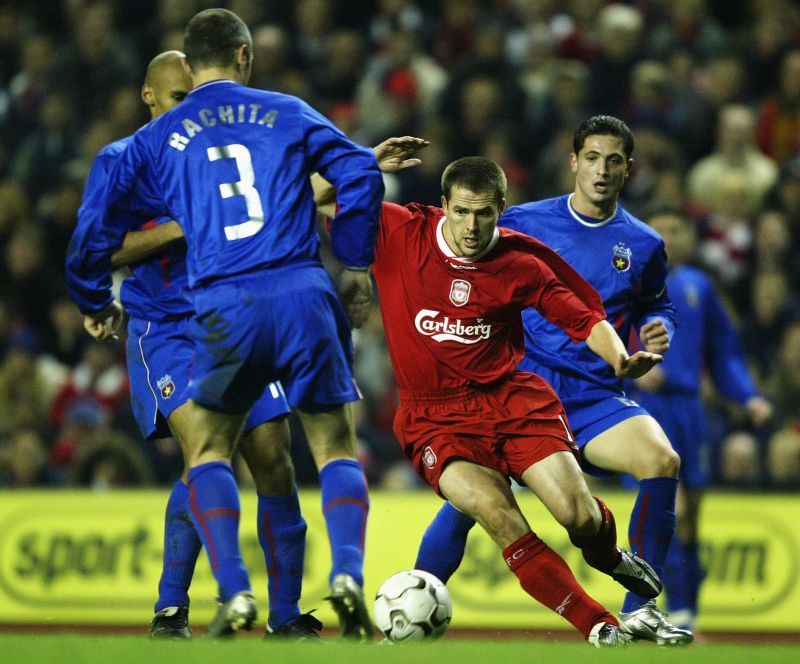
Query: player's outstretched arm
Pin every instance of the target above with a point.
(139, 245)
(397, 153)
(604, 340)
(104, 324)
(394, 154)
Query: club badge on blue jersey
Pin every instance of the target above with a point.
(622, 258)
(459, 292)
(166, 386)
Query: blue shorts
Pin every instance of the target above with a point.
(282, 324)
(683, 419)
(160, 360)
(591, 415)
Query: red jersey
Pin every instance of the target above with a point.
(456, 322)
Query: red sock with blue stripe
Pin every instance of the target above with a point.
(181, 548)
(214, 508)
(545, 576)
(345, 505)
(651, 527)
(282, 536)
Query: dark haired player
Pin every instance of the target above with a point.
(452, 288)
(625, 261)
(231, 165)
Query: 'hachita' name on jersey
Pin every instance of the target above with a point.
(226, 115)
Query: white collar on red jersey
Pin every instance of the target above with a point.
(447, 251)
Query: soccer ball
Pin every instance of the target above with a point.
(412, 606)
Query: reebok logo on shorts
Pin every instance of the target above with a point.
(429, 457)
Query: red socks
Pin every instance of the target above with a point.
(600, 550)
(545, 576)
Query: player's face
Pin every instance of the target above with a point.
(471, 220)
(169, 88)
(678, 236)
(600, 170)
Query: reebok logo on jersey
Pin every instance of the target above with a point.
(446, 329)
(459, 292)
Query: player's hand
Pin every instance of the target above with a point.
(355, 292)
(637, 364)
(655, 337)
(103, 325)
(652, 381)
(395, 154)
(759, 410)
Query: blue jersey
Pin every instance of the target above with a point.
(625, 261)
(232, 166)
(706, 340)
(157, 289)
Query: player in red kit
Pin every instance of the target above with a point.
(452, 288)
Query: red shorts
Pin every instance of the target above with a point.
(508, 426)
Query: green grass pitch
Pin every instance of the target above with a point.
(78, 648)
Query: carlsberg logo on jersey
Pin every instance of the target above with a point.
(446, 329)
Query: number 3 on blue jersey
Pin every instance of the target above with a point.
(244, 187)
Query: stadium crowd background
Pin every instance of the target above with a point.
(711, 89)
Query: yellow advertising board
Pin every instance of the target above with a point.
(95, 558)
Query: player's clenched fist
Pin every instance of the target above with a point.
(355, 292)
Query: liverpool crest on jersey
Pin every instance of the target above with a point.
(622, 258)
(459, 292)
(166, 386)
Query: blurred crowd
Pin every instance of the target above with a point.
(711, 89)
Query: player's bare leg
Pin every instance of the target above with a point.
(332, 440)
(281, 528)
(485, 495)
(266, 450)
(638, 446)
(558, 482)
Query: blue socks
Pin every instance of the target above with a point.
(181, 548)
(443, 544)
(651, 527)
(282, 536)
(345, 506)
(214, 509)
(682, 578)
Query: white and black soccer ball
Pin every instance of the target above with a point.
(413, 606)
